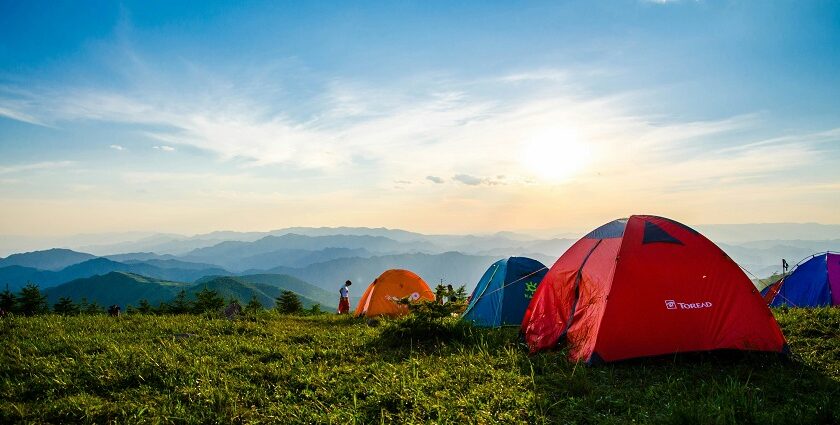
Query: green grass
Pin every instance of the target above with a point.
(327, 369)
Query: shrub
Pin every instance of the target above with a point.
(254, 306)
(288, 303)
(179, 305)
(427, 322)
(8, 301)
(65, 306)
(31, 302)
(207, 301)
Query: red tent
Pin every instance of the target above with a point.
(646, 286)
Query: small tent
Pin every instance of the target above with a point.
(814, 282)
(503, 293)
(378, 299)
(647, 286)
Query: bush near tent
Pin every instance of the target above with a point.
(814, 282)
(502, 295)
(647, 286)
(380, 296)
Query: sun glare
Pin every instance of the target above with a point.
(555, 155)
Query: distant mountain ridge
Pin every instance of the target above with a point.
(451, 267)
(51, 259)
(328, 256)
(125, 289)
(17, 276)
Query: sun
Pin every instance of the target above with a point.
(555, 155)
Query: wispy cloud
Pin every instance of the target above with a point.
(458, 128)
(117, 147)
(467, 179)
(476, 181)
(45, 165)
(18, 116)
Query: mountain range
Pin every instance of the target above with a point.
(128, 289)
(15, 276)
(324, 258)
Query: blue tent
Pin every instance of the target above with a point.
(812, 283)
(504, 292)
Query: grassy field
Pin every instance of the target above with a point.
(325, 369)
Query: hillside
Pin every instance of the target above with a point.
(116, 288)
(50, 259)
(290, 283)
(232, 251)
(284, 258)
(329, 369)
(452, 267)
(128, 289)
(16, 276)
(235, 288)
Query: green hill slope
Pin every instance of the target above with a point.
(298, 286)
(242, 290)
(116, 288)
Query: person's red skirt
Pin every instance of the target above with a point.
(343, 305)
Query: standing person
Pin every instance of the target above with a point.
(344, 300)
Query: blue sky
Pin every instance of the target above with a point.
(432, 116)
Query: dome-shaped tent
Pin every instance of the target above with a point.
(647, 286)
(504, 291)
(814, 282)
(392, 284)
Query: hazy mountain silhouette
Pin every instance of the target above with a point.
(129, 288)
(16, 276)
(50, 259)
(453, 267)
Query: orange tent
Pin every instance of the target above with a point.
(395, 283)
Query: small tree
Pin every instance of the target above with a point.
(254, 306)
(315, 309)
(440, 291)
(143, 306)
(207, 300)
(288, 303)
(8, 301)
(65, 307)
(93, 308)
(180, 304)
(31, 301)
(461, 293)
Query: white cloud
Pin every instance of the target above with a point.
(117, 147)
(475, 181)
(467, 179)
(462, 129)
(18, 116)
(45, 165)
